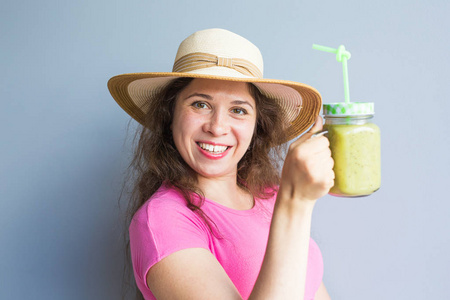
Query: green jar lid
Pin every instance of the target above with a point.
(348, 109)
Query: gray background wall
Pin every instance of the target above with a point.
(64, 146)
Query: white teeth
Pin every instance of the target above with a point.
(211, 148)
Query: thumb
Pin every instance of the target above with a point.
(317, 127)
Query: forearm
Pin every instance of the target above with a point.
(283, 272)
(307, 175)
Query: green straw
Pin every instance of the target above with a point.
(342, 55)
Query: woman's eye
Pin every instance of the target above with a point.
(239, 111)
(200, 105)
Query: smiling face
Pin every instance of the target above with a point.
(213, 125)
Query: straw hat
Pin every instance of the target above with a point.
(219, 54)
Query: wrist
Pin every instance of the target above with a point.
(295, 206)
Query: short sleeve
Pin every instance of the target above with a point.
(162, 227)
(314, 270)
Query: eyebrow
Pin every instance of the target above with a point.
(208, 97)
(240, 102)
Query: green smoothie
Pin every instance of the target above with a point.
(356, 153)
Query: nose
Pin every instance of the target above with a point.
(217, 124)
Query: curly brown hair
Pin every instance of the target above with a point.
(156, 159)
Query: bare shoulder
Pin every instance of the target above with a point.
(192, 273)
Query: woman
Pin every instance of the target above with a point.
(211, 217)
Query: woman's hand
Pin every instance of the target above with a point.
(307, 175)
(308, 168)
(195, 273)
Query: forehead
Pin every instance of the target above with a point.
(219, 89)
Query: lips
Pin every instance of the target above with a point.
(213, 150)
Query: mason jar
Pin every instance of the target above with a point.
(355, 147)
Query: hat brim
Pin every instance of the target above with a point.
(301, 103)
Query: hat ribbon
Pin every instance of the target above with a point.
(198, 60)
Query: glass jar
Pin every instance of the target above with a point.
(355, 147)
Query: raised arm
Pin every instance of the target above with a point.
(196, 274)
(307, 175)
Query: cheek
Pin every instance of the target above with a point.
(177, 127)
(184, 126)
(246, 131)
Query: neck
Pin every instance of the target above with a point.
(225, 191)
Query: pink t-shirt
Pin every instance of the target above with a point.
(164, 225)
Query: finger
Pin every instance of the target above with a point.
(318, 145)
(318, 125)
